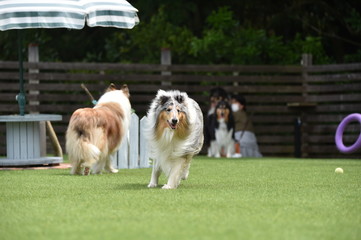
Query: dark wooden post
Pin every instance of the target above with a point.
(166, 60)
(235, 83)
(303, 135)
(305, 62)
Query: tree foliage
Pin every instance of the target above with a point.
(144, 42)
(223, 41)
(219, 32)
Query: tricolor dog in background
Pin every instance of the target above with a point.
(221, 131)
(175, 135)
(94, 134)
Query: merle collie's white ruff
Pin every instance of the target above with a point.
(175, 135)
(94, 134)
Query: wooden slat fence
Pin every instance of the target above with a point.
(277, 95)
(336, 90)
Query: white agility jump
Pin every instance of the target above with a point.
(133, 152)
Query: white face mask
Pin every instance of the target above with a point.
(235, 107)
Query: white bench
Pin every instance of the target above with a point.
(23, 140)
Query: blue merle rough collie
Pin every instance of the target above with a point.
(175, 135)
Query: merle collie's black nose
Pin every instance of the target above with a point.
(174, 121)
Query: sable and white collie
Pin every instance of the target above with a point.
(221, 131)
(94, 134)
(175, 135)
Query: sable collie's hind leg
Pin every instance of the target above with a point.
(86, 171)
(105, 164)
(108, 164)
(87, 168)
(75, 168)
(155, 175)
(98, 167)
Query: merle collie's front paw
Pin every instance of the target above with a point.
(152, 185)
(185, 176)
(166, 186)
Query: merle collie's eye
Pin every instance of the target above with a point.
(168, 109)
(178, 110)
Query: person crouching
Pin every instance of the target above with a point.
(244, 131)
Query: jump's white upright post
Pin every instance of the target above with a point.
(133, 151)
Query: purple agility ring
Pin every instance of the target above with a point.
(341, 129)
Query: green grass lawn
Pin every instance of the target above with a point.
(222, 199)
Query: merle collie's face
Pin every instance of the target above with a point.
(222, 112)
(172, 115)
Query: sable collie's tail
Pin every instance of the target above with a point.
(81, 152)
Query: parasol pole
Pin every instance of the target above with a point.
(21, 96)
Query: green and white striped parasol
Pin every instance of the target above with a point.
(71, 14)
(105, 13)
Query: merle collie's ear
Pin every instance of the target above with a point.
(125, 90)
(160, 93)
(111, 88)
(179, 98)
(163, 99)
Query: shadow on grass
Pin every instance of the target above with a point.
(132, 186)
(141, 186)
